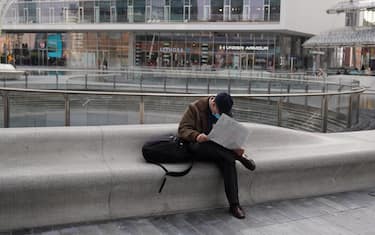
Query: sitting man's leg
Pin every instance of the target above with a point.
(225, 160)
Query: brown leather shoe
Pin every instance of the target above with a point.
(248, 163)
(237, 212)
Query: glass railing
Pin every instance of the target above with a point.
(315, 111)
(178, 81)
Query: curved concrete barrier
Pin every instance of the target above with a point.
(66, 175)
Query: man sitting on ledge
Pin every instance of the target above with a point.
(194, 127)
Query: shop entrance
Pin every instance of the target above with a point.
(247, 61)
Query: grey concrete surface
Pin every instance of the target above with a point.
(52, 176)
(343, 213)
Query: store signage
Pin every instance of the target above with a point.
(244, 48)
(169, 50)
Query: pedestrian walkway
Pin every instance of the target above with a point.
(344, 213)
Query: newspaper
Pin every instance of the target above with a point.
(229, 133)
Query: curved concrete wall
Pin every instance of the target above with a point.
(66, 175)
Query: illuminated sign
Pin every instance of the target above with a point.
(244, 48)
(169, 50)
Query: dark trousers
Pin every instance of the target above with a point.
(225, 160)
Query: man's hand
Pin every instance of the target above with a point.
(239, 152)
(202, 138)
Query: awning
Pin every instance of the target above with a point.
(346, 37)
(351, 6)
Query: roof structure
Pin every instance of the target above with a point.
(349, 36)
(351, 6)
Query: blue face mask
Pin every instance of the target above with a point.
(216, 115)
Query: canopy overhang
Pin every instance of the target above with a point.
(352, 6)
(346, 37)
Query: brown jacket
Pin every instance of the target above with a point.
(195, 120)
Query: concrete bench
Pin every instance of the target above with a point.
(66, 175)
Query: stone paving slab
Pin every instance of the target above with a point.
(344, 213)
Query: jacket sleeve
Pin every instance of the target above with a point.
(187, 129)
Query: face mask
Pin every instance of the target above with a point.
(216, 115)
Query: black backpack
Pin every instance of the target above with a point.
(167, 149)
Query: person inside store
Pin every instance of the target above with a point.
(195, 124)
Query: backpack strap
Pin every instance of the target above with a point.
(172, 173)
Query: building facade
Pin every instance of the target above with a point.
(169, 34)
(351, 47)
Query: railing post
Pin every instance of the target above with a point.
(350, 111)
(279, 111)
(26, 79)
(338, 108)
(324, 113)
(57, 80)
(306, 97)
(288, 91)
(358, 104)
(208, 86)
(165, 84)
(67, 110)
(5, 109)
(229, 85)
(269, 91)
(114, 81)
(142, 111)
(86, 78)
(187, 85)
(141, 83)
(249, 89)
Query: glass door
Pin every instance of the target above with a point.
(38, 16)
(51, 15)
(65, 15)
(96, 14)
(227, 10)
(113, 14)
(26, 15)
(81, 14)
(187, 8)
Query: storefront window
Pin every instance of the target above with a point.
(139, 10)
(217, 10)
(177, 7)
(275, 10)
(149, 11)
(257, 10)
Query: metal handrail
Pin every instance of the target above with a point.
(78, 92)
(324, 105)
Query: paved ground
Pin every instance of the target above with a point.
(344, 213)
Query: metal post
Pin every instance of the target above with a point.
(5, 109)
(350, 110)
(208, 86)
(187, 85)
(86, 78)
(67, 110)
(142, 111)
(306, 97)
(357, 114)
(279, 111)
(26, 79)
(141, 82)
(288, 91)
(338, 108)
(229, 85)
(165, 84)
(269, 91)
(57, 80)
(114, 81)
(249, 90)
(324, 113)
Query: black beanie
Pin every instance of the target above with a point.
(224, 103)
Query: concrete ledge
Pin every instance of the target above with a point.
(66, 175)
